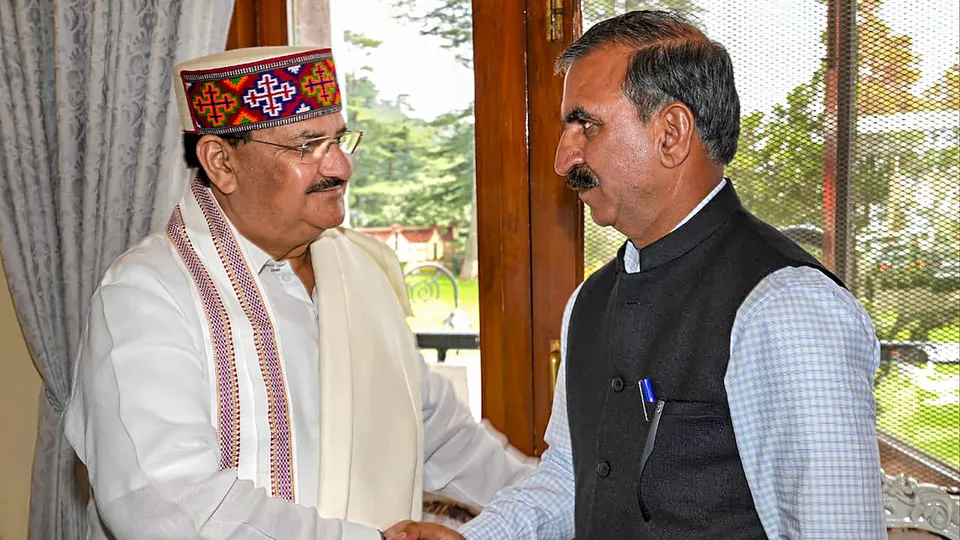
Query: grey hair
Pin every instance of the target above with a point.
(673, 61)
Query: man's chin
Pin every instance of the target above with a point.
(600, 221)
(599, 214)
(329, 222)
(328, 208)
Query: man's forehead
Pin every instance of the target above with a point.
(320, 126)
(600, 71)
(595, 78)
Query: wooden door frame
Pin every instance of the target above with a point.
(556, 212)
(530, 226)
(503, 214)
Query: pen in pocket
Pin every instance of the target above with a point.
(646, 396)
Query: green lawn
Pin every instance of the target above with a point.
(907, 408)
(920, 309)
(430, 309)
(948, 333)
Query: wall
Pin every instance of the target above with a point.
(19, 392)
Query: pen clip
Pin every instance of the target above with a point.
(643, 402)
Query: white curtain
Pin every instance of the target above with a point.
(90, 162)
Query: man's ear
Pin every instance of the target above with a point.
(676, 128)
(214, 155)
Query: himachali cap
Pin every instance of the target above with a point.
(256, 88)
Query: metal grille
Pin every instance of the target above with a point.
(849, 144)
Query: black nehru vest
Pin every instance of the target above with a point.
(670, 322)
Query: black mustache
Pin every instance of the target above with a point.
(580, 178)
(325, 183)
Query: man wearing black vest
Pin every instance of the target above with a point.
(717, 380)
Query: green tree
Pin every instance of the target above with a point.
(399, 164)
(451, 197)
(452, 22)
(778, 171)
(779, 165)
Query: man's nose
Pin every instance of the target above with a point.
(569, 154)
(336, 164)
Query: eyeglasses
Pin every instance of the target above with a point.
(314, 150)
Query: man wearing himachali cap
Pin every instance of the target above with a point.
(249, 373)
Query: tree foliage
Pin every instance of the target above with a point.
(451, 21)
(408, 171)
(905, 198)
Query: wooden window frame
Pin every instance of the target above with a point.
(258, 23)
(530, 228)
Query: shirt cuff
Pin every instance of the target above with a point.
(355, 531)
(487, 525)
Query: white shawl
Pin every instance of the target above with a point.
(371, 425)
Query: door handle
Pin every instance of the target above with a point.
(554, 364)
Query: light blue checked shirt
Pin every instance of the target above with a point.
(803, 354)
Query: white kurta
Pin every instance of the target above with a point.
(144, 411)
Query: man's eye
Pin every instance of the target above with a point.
(586, 124)
(313, 146)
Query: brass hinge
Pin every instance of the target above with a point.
(554, 20)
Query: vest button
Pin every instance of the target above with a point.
(617, 384)
(603, 469)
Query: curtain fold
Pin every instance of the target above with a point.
(90, 162)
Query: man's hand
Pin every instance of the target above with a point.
(410, 530)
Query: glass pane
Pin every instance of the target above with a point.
(906, 225)
(905, 216)
(413, 179)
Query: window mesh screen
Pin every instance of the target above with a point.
(877, 187)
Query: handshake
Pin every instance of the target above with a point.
(411, 530)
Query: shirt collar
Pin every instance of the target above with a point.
(258, 258)
(631, 255)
